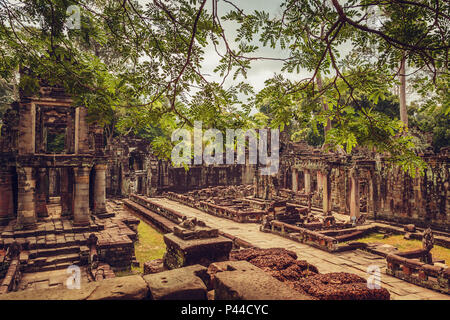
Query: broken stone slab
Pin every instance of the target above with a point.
(244, 281)
(178, 284)
(123, 288)
(181, 253)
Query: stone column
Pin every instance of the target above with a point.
(100, 189)
(27, 128)
(66, 193)
(307, 175)
(371, 207)
(52, 182)
(26, 208)
(319, 180)
(41, 197)
(294, 180)
(81, 197)
(326, 192)
(6, 197)
(354, 194)
(81, 131)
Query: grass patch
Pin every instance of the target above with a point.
(401, 244)
(150, 245)
(124, 273)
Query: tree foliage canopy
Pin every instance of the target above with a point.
(138, 67)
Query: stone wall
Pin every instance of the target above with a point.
(364, 182)
(422, 200)
(134, 169)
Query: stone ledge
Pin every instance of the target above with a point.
(124, 288)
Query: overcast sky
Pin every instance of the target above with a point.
(262, 69)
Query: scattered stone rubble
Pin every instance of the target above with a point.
(280, 263)
(226, 280)
(340, 286)
(305, 278)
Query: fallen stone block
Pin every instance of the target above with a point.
(216, 267)
(181, 253)
(244, 281)
(178, 284)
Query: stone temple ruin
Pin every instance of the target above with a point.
(70, 199)
(52, 197)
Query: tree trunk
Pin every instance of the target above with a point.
(402, 92)
(325, 106)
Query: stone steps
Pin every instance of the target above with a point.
(51, 267)
(47, 257)
(49, 252)
(54, 262)
(57, 243)
(56, 231)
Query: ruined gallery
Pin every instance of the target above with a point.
(228, 231)
(93, 207)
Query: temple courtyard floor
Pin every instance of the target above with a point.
(356, 261)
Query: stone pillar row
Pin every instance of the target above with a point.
(32, 201)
